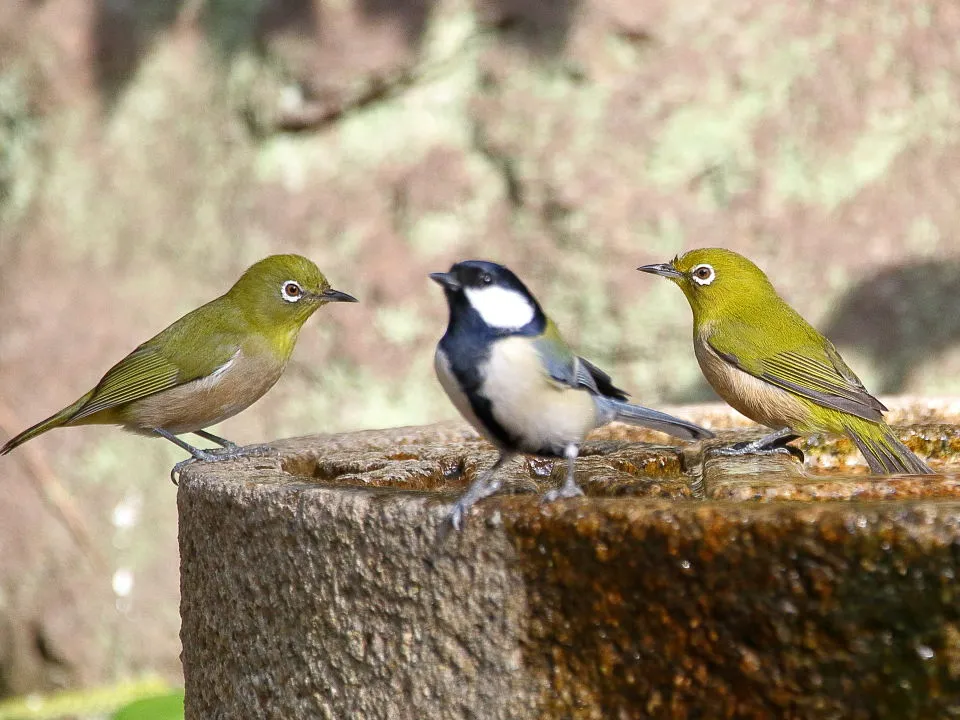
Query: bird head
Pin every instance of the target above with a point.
(716, 281)
(283, 291)
(491, 293)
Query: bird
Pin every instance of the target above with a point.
(507, 370)
(772, 366)
(207, 366)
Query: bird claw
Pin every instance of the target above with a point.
(238, 451)
(742, 449)
(219, 455)
(458, 514)
(562, 493)
(178, 468)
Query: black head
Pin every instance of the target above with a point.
(492, 293)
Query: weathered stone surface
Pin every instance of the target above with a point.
(324, 583)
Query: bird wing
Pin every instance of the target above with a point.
(151, 369)
(812, 370)
(600, 381)
(569, 370)
(141, 373)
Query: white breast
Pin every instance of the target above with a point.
(529, 405)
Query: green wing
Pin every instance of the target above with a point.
(140, 374)
(811, 368)
(568, 369)
(176, 356)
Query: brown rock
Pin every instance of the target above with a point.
(325, 582)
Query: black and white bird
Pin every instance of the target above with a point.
(508, 371)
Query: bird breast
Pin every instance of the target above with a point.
(544, 415)
(450, 385)
(230, 389)
(750, 396)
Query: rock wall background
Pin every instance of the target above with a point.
(150, 150)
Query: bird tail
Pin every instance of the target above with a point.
(883, 451)
(653, 419)
(54, 421)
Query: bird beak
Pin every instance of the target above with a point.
(331, 295)
(662, 269)
(447, 280)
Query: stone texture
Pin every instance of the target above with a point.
(324, 582)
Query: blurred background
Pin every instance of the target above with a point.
(150, 150)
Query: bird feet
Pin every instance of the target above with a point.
(458, 513)
(561, 493)
(763, 446)
(231, 452)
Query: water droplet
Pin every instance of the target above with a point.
(685, 564)
(789, 608)
(925, 652)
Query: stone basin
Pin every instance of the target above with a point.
(325, 582)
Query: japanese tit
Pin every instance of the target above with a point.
(506, 368)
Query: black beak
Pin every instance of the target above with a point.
(662, 269)
(331, 295)
(447, 280)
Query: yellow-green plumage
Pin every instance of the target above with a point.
(771, 365)
(211, 363)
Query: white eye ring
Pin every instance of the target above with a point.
(703, 278)
(291, 291)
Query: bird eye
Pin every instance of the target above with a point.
(291, 291)
(485, 279)
(703, 274)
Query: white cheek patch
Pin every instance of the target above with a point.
(499, 307)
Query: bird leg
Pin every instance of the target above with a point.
(222, 442)
(229, 451)
(771, 444)
(195, 453)
(570, 489)
(484, 486)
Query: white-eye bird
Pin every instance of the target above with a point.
(508, 371)
(209, 365)
(772, 366)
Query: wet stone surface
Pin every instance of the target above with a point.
(324, 582)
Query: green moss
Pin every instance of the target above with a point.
(806, 175)
(87, 703)
(711, 138)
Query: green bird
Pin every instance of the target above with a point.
(771, 365)
(209, 365)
